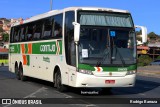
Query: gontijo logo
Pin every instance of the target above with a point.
(47, 48)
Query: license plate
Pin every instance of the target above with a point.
(109, 81)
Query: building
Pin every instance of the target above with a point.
(5, 24)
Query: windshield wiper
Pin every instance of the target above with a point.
(104, 57)
(122, 59)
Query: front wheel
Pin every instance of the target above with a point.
(58, 82)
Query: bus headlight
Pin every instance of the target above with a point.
(131, 72)
(85, 71)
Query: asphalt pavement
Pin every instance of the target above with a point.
(150, 71)
(10, 87)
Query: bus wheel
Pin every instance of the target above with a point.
(2, 64)
(58, 82)
(17, 72)
(22, 77)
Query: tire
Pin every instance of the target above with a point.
(2, 64)
(22, 77)
(17, 72)
(58, 82)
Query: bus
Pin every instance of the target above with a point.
(3, 56)
(3, 59)
(77, 46)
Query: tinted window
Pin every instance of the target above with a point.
(30, 29)
(58, 26)
(69, 39)
(38, 30)
(16, 34)
(47, 28)
(22, 33)
(12, 35)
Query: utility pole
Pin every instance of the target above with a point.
(51, 2)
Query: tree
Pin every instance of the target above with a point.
(1, 30)
(5, 37)
(144, 60)
(152, 35)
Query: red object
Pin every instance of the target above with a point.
(3, 50)
(110, 81)
(143, 47)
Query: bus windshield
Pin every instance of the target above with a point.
(103, 45)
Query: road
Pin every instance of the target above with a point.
(10, 87)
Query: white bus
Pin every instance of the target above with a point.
(77, 47)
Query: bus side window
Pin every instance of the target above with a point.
(69, 39)
(58, 26)
(38, 30)
(12, 35)
(29, 34)
(47, 28)
(16, 34)
(22, 34)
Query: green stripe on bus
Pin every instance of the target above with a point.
(106, 69)
(60, 44)
(15, 48)
(26, 48)
(39, 48)
(28, 60)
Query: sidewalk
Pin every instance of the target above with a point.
(153, 71)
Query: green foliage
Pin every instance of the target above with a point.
(158, 58)
(139, 32)
(152, 35)
(5, 37)
(144, 60)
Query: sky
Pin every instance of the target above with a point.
(144, 12)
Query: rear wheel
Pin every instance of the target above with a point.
(22, 77)
(58, 82)
(2, 64)
(17, 72)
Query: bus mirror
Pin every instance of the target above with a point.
(76, 31)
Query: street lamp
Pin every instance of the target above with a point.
(51, 2)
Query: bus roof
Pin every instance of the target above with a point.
(54, 12)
